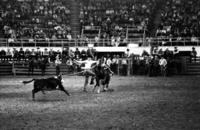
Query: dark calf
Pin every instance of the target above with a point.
(48, 84)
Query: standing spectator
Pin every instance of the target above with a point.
(77, 53)
(51, 56)
(32, 53)
(57, 63)
(147, 64)
(21, 54)
(15, 54)
(38, 53)
(124, 66)
(156, 67)
(70, 64)
(163, 66)
(114, 64)
(71, 53)
(193, 54)
(3, 55)
(90, 52)
(65, 54)
(8, 55)
(27, 54)
(108, 62)
(96, 40)
(176, 51)
(160, 52)
(43, 63)
(83, 55)
(58, 53)
(45, 53)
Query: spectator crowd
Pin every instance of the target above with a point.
(180, 19)
(35, 19)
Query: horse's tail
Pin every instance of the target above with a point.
(26, 82)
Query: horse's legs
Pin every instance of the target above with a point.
(94, 88)
(98, 89)
(97, 83)
(86, 83)
(92, 80)
(105, 87)
(43, 92)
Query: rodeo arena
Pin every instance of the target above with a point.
(99, 64)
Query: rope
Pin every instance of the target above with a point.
(74, 73)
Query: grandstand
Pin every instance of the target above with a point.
(110, 23)
(104, 25)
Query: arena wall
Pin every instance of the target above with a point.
(182, 48)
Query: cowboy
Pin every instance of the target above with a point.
(87, 69)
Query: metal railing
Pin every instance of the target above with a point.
(186, 41)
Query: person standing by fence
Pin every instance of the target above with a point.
(163, 66)
(124, 66)
(193, 55)
(57, 63)
(113, 65)
(8, 55)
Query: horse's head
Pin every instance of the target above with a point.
(106, 70)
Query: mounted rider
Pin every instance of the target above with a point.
(105, 63)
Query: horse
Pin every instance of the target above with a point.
(102, 77)
(47, 84)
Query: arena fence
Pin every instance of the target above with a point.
(23, 69)
(124, 67)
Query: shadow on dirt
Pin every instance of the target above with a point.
(13, 95)
(49, 100)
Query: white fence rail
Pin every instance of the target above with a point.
(186, 41)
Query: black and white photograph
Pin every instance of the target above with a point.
(99, 64)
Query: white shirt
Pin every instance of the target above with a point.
(108, 62)
(124, 61)
(88, 64)
(162, 62)
(57, 62)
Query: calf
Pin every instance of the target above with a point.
(48, 84)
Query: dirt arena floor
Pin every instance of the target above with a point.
(137, 103)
